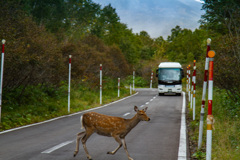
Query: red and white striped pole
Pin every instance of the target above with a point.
(133, 81)
(151, 80)
(204, 95)
(118, 87)
(130, 89)
(1, 80)
(69, 82)
(191, 98)
(211, 55)
(194, 87)
(100, 83)
(189, 83)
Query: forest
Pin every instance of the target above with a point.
(41, 34)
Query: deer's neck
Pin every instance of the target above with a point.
(133, 122)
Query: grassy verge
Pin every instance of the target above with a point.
(39, 103)
(226, 135)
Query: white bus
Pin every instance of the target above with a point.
(170, 76)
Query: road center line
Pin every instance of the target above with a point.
(147, 103)
(126, 114)
(57, 147)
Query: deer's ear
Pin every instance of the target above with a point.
(145, 109)
(135, 108)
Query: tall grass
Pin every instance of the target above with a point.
(40, 102)
(226, 132)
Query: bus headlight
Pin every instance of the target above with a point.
(178, 87)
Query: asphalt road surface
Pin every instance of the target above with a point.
(157, 139)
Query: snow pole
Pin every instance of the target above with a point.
(133, 81)
(191, 98)
(211, 55)
(203, 95)
(194, 88)
(1, 80)
(130, 89)
(100, 83)
(151, 80)
(118, 87)
(189, 83)
(69, 82)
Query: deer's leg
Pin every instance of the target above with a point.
(120, 145)
(84, 140)
(79, 136)
(125, 148)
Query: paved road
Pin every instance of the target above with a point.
(157, 139)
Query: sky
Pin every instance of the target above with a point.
(157, 17)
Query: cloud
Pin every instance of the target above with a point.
(157, 17)
(200, 1)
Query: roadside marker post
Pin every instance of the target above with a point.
(118, 87)
(1, 80)
(194, 88)
(189, 83)
(133, 81)
(204, 94)
(151, 80)
(69, 82)
(100, 83)
(211, 55)
(191, 98)
(130, 89)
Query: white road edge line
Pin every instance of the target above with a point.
(30, 125)
(126, 114)
(182, 151)
(57, 147)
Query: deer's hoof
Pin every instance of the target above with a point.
(75, 153)
(110, 153)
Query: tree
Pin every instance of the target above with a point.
(50, 13)
(175, 31)
(223, 17)
(105, 22)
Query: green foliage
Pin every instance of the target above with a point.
(222, 17)
(138, 81)
(199, 155)
(41, 102)
(183, 45)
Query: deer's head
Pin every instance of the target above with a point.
(141, 114)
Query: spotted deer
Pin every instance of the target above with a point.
(110, 126)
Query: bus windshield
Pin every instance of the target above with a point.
(169, 74)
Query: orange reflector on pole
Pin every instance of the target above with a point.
(211, 54)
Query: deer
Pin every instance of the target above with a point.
(110, 126)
